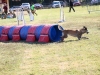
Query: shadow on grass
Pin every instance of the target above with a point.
(36, 42)
(71, 40)
(23, 41)
(83, 38)
(98, 28)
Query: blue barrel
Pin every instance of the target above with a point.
(54, 33)
(24, 32)
(10, 33)
(1, 28)
(38, 31)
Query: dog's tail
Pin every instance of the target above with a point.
(60, 28)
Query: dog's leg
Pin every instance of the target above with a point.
(64, 35)
(79, 37)
(62, 39)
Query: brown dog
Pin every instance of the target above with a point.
(75, 33)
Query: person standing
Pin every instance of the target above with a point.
(5, 8)
(33, 9)
(71, 6)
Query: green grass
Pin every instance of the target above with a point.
(71, 57)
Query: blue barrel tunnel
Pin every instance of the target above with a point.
(1, 28)
(24, 32)
(54, 33)
(38, 31)
(10, 33)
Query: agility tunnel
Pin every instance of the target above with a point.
(1, 28)
(4, 34)
(16, 33)
(40, 33)
(10, 33)
(54, 33)
(24, 32)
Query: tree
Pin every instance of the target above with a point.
(47, 1)
(39, 1)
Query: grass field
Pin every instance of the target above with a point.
(71, 57)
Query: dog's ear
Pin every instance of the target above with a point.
(85, 27)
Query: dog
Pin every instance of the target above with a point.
(75, 33)
(32, 11)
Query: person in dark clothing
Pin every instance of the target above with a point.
(71, 6)
(5, 9)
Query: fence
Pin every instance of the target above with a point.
(93, 5)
